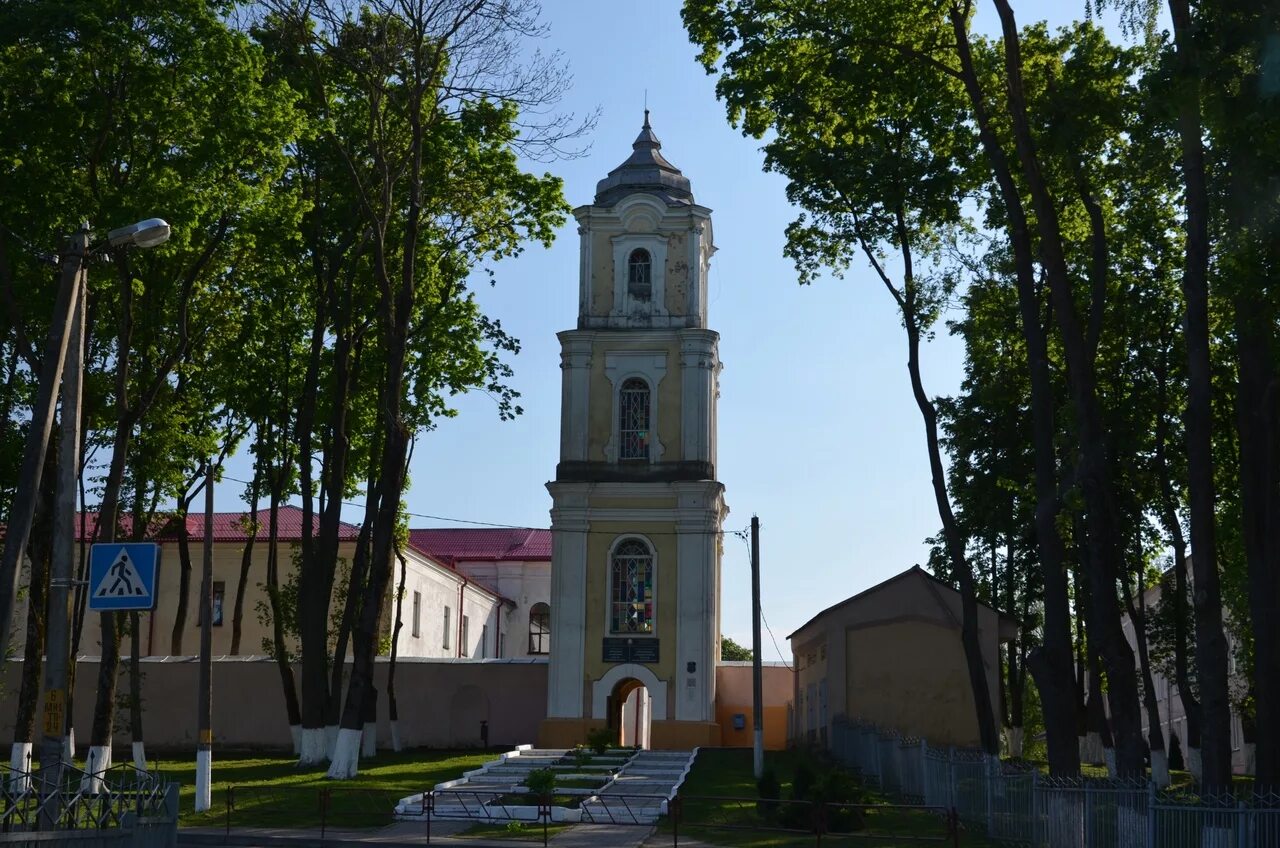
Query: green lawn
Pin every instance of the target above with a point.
(274, 792)
(727, 772)
(522, 831)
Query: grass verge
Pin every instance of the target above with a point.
(274, 792)
(727, 772)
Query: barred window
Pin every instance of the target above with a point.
(631, 585)
(540, 629)
(633, 420)
(639, 274)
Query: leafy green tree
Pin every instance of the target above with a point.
(877, 149)
(731, 651)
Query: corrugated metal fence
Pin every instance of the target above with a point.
(1019, 806)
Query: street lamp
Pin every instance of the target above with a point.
(62, 363)
(148, 233)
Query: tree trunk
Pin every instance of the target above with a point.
(1050, 664)
(39, 551)
(393, 713)
(1105, 554)
(1259, 430)
(1155, 733)
(955, 542)
(293, 711)
(135, 691)
(1211, 641)
(184, 580)
(246, 562)
(351, 606)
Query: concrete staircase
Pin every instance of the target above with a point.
(639, 793)
(634, 790)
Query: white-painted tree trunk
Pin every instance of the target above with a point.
(1194, 765)
(95, 766)
(369, 740)
(330, 739)
(20, 767)
(204, 780)
(1250, 759)
(1015, 742)
(140, 756)
(295, 733)
(1109, 757)
(395, 736)
(346, 755)
(1091, 748)
(69, 745)
(312, 750)
(1160, 769)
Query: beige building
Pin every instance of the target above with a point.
(892, 655)
(469, 593)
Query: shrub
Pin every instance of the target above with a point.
(581, 756)
(541, 781)
(600, 739)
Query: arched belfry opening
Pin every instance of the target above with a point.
(637, 507)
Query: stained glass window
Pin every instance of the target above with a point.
(633, 419)
(639, 276)
(631, 588)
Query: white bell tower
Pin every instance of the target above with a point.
(637, 514)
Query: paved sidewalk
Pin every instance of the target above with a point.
(409, 835)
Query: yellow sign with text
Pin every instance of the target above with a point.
(55, 712)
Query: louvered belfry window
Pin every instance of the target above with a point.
(633, 420)
(639, 274)
(631, 588)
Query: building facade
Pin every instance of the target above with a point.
(637, 509)
(892, 655)
(468, 594)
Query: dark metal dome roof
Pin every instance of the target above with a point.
(645, 171)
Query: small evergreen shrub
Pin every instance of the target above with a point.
(541, 781)
(600, 739)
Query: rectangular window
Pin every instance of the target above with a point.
(219, 592)
(447, 628)
(462, 643)
(484, 641)
(417, 614)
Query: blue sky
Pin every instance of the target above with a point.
(819, 434)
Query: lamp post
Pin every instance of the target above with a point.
(148, 233)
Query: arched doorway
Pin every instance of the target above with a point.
(630, 712)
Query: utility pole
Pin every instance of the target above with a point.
(204, 748)
(57, 626)
(22, 511)
(757, 684)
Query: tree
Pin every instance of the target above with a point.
(731, 651)
(875, 153)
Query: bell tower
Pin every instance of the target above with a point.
(637, 509)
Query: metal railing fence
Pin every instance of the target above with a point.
(1015, 805)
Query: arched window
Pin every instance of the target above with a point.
(540, 629)
(639, 276)
(633, 419)
(631, 588)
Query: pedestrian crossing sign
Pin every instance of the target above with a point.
(122, 576)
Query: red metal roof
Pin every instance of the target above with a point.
(451, 545)
(227, 526)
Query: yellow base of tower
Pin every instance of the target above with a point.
(663, 735)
